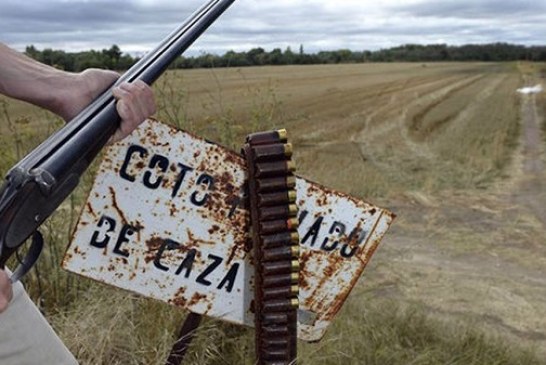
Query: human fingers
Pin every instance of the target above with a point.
(143, 93)
(135, 103)
(6, 291)
(127, 110)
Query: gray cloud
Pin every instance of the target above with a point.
(468, 9)
(137, 25)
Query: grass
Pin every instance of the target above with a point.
(388, 333)
(352, 130)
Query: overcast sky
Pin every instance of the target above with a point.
(137, 25)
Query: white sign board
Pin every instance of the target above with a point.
(166, 218)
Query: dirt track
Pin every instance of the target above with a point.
(477, 256)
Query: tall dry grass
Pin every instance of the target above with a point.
(102, 325)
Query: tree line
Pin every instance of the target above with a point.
(114, 58)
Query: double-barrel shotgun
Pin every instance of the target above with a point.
(40, 182)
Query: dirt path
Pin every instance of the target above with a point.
(477, 256)
(532, 183)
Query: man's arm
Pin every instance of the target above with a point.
(66, 93)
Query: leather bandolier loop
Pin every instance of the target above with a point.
(272, 196)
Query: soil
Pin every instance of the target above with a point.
(476, 256)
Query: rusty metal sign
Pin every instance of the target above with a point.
(166, 218)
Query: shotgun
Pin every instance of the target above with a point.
(40, 182)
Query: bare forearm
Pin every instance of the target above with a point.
(23, 78)
(66, 94)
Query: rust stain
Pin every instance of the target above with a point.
(354, 240)
(368, 251)
(340, 298)
(138, 228)
(232, 254)
(196, 298)
(305, 275)
(209, 308)
(179, 299)
(90, 209)
(116, 206)
(153, 244)
(194, 242)
(214, 229)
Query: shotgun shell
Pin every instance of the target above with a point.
(292, 224)
(280, 305)
(275, 318)
(276, 362)
(294, 302)
(272, 152)
(276, 330)
(271, 281)
(294, 289)
(275, 342)
(283, 134)
(295, 277)
(267, 137)
(292, 196)
(280, 267)
(272, 169)
(280, 198)
(295, 238)
(277, 226)
(276, 240)
(292, 210)
(275, 183)
(281, 292)
(279, 212)
(276, 354)
(295, 265)
(281, 253)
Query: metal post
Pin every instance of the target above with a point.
(185, 337)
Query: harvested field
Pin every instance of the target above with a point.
(401, 126)
(451, 148)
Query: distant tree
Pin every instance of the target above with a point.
(114, 58)
(288, 56)
(257, 56)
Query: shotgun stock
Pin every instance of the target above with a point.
(39, 183)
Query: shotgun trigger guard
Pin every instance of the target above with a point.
(30, 258)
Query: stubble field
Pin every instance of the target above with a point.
(451, 148)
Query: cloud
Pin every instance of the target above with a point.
(137, 25)
(467, 9)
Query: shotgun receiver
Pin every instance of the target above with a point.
(40, 182)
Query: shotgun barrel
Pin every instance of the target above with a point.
(40, 182)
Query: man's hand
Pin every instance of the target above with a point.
(66, 93)
(135, 104)
(6, 290)
(135, 100)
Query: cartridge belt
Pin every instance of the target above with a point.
(272, 196)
